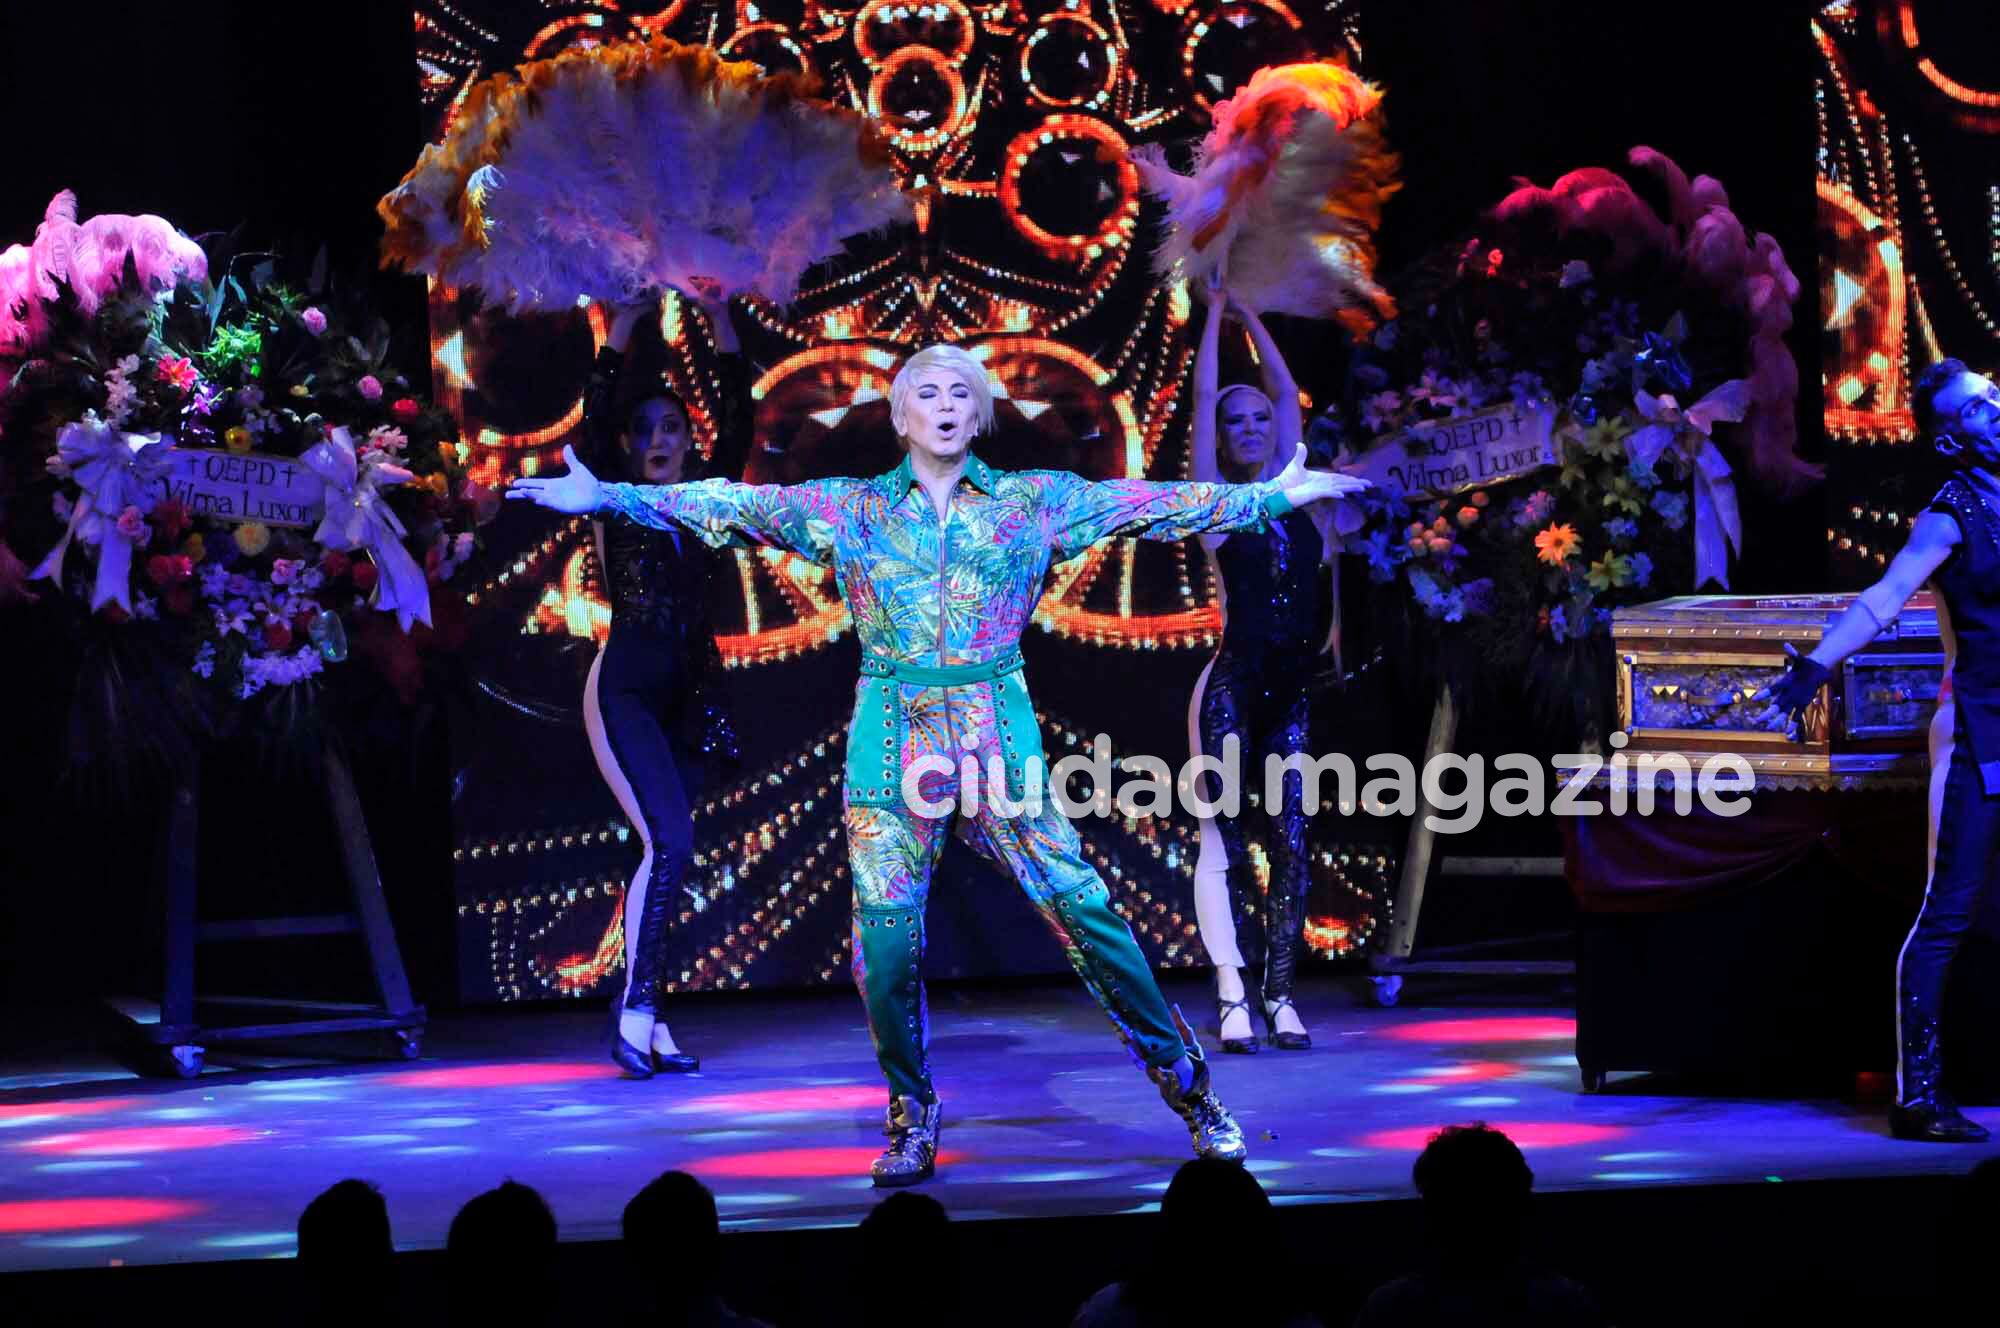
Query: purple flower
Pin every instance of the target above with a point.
(1672, 508)
(1642, 569)
(1622, 529)
(370, 387)
(314, 320)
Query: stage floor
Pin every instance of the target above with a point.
(1044, 1115)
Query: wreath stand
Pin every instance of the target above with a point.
(1394, 961)
(169, 1027)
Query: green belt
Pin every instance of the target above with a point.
(941, 675)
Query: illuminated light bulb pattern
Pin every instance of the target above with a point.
(1009, 124)
(1898, 288)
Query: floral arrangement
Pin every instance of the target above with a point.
(1652, 343)
(232, 466)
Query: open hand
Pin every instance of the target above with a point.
(1791, 694)
(1302, 486)
(577, 492)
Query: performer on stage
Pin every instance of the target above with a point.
(941, 561)
(1256, 689)
(652, 701)
(1955, 544)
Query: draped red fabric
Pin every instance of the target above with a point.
(1662, 862)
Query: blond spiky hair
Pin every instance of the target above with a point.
(968, 370)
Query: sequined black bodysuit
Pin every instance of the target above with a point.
(1258, 691)
(658, 688)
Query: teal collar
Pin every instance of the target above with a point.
(896, 483)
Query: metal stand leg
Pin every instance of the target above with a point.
(170, 1026)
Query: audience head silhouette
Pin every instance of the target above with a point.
(672, 1231)
(345, 1252)
(500, 1257)
(910, 1232)
(1475, 1186)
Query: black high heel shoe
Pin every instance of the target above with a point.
(1283, 1041)
(1235, 1046)
(632, 1062)
(678, 1063)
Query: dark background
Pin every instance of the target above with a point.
(292, 120)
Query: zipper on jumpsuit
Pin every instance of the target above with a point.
(944, 534)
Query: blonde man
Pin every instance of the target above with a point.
(941, 562)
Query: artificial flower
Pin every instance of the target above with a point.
(384, 438)
(177, 373)
(314, 320)
(365, 575)
(237, 438)
(1610, 572)
(1672, 508)
(1642, 569)
(1480, 498)
(277, 635)
(1574, 273)
(284, 571)
(1467, 515)
(1622, 529)
(335, 564)
(1379, 410)
(194, 548)
(301, 390)
(406, 408)
(370, 387)
(252, 538)
(132, 525)
(1555, 544)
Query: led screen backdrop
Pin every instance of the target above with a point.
(1907, 94)
(1009, 124)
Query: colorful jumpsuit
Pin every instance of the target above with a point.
(939, 607)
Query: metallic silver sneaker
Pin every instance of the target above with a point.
(1214, 1131)
(913, 1142)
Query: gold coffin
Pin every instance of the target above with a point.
(1688, 666)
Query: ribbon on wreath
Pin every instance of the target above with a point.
(356, 516)
(1718, 526)
(120, 474)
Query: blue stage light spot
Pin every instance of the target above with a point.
(251, 1240)
(96, 1240)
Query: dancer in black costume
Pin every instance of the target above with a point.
(652, 703)
(1256, 689)
(1954, 544)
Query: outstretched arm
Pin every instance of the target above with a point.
(1081, 512)
(1932, 538)
(799, 518)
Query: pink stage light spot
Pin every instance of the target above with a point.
(522, 1075)
(142, 1139)
(32, 1110)
(1471, 1072)
(1525, 1134)
(1516, 1029)
(788, 1163)
(830, 1097)
(44, 1215)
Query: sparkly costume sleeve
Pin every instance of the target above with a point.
(1083, 512)
(798, 518)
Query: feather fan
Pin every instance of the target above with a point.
(1288, 189)
(619, 170)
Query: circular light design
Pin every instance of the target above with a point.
(1040, 159)
(1978, 108)
(886, 27)
(769, 46)
(1070, 61)
(919, 95)
(1224, 47)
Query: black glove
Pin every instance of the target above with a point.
(1804, 676)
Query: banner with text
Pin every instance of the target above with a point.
(1469, 452)
(243, 486)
